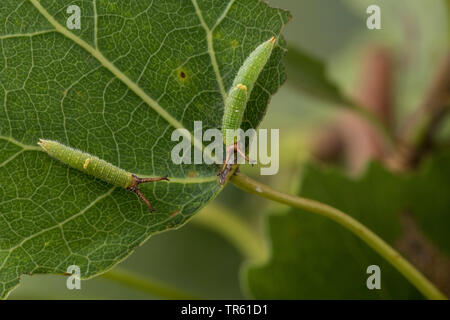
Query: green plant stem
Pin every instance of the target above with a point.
(232, 228)
(379, 245)
(146, 285)
(420, 127)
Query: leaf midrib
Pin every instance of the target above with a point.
(119, 74)
(209, 41)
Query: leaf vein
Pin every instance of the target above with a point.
(211, 51)
(116, 72)
(60, 224)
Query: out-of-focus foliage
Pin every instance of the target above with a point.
(314, 258)
(309, 76)
(414, 31)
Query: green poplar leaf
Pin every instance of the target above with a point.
(116, 88)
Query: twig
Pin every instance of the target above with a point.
(418, 131)
(379, 245)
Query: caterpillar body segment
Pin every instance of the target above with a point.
(237, 99)
(253, 65)
(97, 167)
(88, 163)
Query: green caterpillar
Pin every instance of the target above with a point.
(234, 111)
(238, 96)
(97, 167)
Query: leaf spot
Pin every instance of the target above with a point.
(175, 213)
(86, 163)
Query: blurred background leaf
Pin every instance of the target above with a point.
(314, 258)
(309, 76)
(429, 200)
(414, 31)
